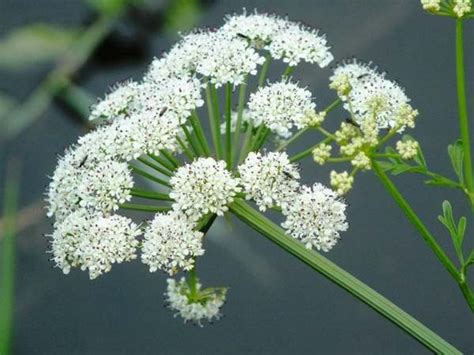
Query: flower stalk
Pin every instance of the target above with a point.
(343, 279)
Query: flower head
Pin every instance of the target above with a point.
(194, 305)
(171, 244)
(322, 153)
(269, 179)
(93, 242)
(227, 59)
(431, 5)
(407, 149)
(179, 95)
(75, 184)
(316, 216)
(280, 106)
(295, 42)
(118, 103)
(341, 182)
(203, 186)
(259, 29)
(462, 7)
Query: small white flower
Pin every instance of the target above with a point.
(431, 5)
(361, 161)
(196, 305)
(171, 244)
(280, 106)
(259, 29)
(105, 187)
(76, 183)
(313, 119)
(346, 132)
(93, 242)
(295, 42)
(179, 95)
(227, 59)
(407, 149)
(378, 97)
(341, 182)
(347, 74)
(462, 7)
(269, 179)
(316, 216)
(203, 186)
(118, 103)
(322, 153)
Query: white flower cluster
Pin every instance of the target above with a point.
(219, 56)
(194, 305)
(407, 149)
(118, 103)
(462, 7)
(76, 184)
(203, 186)
(280, 106)
(93, 242)
(322, 153)
(93, 179)
(316, 216)
(180, 95)
(289, 41)
(171, 244)
(270, 180)
(341, 182)
(431, 5)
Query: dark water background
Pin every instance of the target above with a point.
(276, 304)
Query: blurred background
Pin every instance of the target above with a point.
(52, 50)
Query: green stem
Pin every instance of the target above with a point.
(228, 123)
(196, 147)
(307, 152)
(148, 176)
(333, 105)
(264, 71)
(151, 195)
(154, 166)
(415, 220)
(196, 124)
(343, 279)
(326, 133)
(288, 71)
(7, 280)
(185, 148)
(163, 162)
(462, 104)
(144, 208)
(240, 110)
(174, 162)
(213, 110)
(247, 141)
(421, 228)
(293, 138)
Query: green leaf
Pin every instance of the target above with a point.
(456, 230)
(470, 259)
(34, 44)
(455, 152)
(439, 180)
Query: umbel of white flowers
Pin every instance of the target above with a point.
(151, 129)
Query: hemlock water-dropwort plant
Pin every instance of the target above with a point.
(150, 152)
